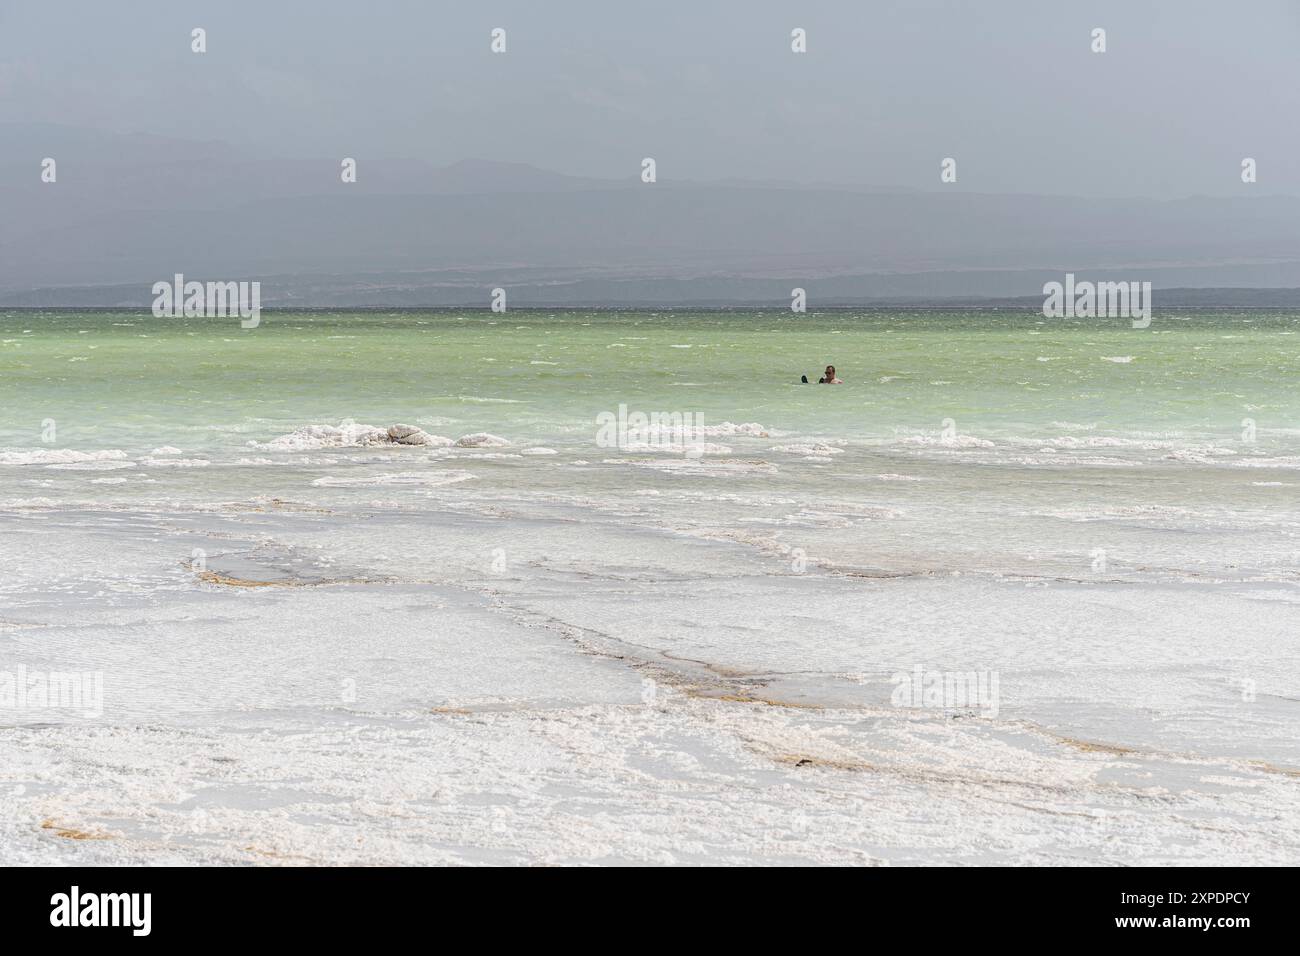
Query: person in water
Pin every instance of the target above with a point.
(829, 378)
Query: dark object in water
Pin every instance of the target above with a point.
(803, 379)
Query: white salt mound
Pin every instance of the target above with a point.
(410, 435)
(481, 440)
(349, 435)
(325, 436)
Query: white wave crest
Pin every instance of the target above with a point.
(425, 478)
(58, 456)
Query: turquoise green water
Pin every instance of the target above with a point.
(134, 381)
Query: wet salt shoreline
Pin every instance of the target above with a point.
(647, 654)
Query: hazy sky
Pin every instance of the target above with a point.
(1010, 88)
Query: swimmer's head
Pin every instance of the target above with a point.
(830, 371)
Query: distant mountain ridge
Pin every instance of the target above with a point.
(127, 211)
